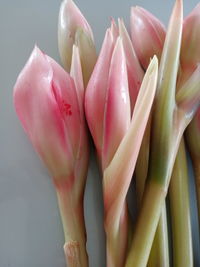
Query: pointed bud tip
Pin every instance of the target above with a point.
(153, 65)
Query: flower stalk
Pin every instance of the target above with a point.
(49, 104)
(180, 211)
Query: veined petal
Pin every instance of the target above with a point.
(117, 111)
(42, 115)
(135, 72)
(147, 33)
(95, 95)
(70, 18)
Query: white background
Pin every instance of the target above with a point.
(30, 228)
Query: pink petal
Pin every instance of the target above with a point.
(147, 33)
(117, 112)
(118, 175)
(95, 95)
(135, 72)
(43, 115)
(114, 29)
(190, 52)
(67, 100)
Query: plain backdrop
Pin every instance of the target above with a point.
(30, 229)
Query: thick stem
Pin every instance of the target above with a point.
(146, 225)
(180, 211)
(117, 239)
(159, 256)
(71, 210)
(196, 166)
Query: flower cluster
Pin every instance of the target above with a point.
(137, 97)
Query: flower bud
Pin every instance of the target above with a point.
(95, 96)
(148, 35)
(47, 105)
(73, 28)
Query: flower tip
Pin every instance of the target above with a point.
(154, 60)
(114, 29)
(121, 24)
(135, 10)
(36, 50)
(153, 65)
(69, 4)
(179, 5)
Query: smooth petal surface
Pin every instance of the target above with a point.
(83, 153)
(95, 96)
(117, 111)
(147, 34)
(114, 29)
(87, 53)
(76, 74)
(134, 70)
(70, 18)
(190, 52)
(46, 103)
(117, 176)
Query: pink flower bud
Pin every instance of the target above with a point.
(46, 103)
(148, 35)
(73, 28)
(190, 52)
(117, 114)
(95, 96)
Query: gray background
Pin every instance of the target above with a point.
(30, 228)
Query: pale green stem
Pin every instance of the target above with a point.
(71, 210)
(180, 212)
(153, 201)
(147, 223)
(117, 240)
(159, 256)
(196, 166)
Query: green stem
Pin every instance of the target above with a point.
(159, 256)
(180, 212)
(196, 166)
(71, 210)
(146, 225)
